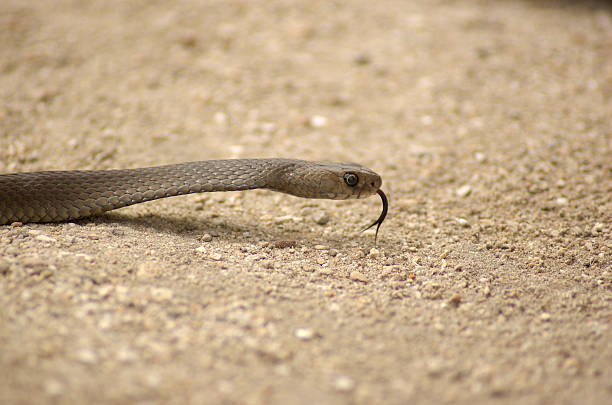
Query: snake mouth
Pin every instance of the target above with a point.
(382, 216)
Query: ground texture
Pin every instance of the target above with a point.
(490, 123)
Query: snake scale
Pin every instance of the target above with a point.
(54, 196)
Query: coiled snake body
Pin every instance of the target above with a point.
(54, 196)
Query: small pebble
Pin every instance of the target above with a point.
(318, 121)
(320, 261)
(321, 217)
(358, 276)
(267, 127)
(463, 222)
(201, 249)
(321, 247)
(189, 40)
(374, 253)
(562, 201)
(216, 256)
(333, 252)
(304, 333)
(105, 290)
(45, 238)
(206, 237)
(426, 120)
(220, 118)
(545, 316)
(283, 244)
(480, 157)
(455, 300)
(362, 59)
(344, 383)
(464, 191)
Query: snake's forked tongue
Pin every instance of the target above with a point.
(382, 216)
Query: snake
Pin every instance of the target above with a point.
(65, 195)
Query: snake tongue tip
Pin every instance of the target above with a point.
(382, 216)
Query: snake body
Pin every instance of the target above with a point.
(53, 196)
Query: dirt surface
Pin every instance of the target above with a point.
(490, 123)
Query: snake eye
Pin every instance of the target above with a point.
(351, 179)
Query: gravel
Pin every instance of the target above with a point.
(491, 278)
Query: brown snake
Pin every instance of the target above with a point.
(54, 196)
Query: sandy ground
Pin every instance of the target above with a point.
(490, 123)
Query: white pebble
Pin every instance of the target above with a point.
(267, 127)
(344, 383)
(464, 191)
(304, 333)
(426, 120)
(480, 157)
(220, 117)
(562, 201)
(374, 253)
(321, 217)
(206, 237)
(318, 121)
(463, 222)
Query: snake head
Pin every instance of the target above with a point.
(334, 181)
